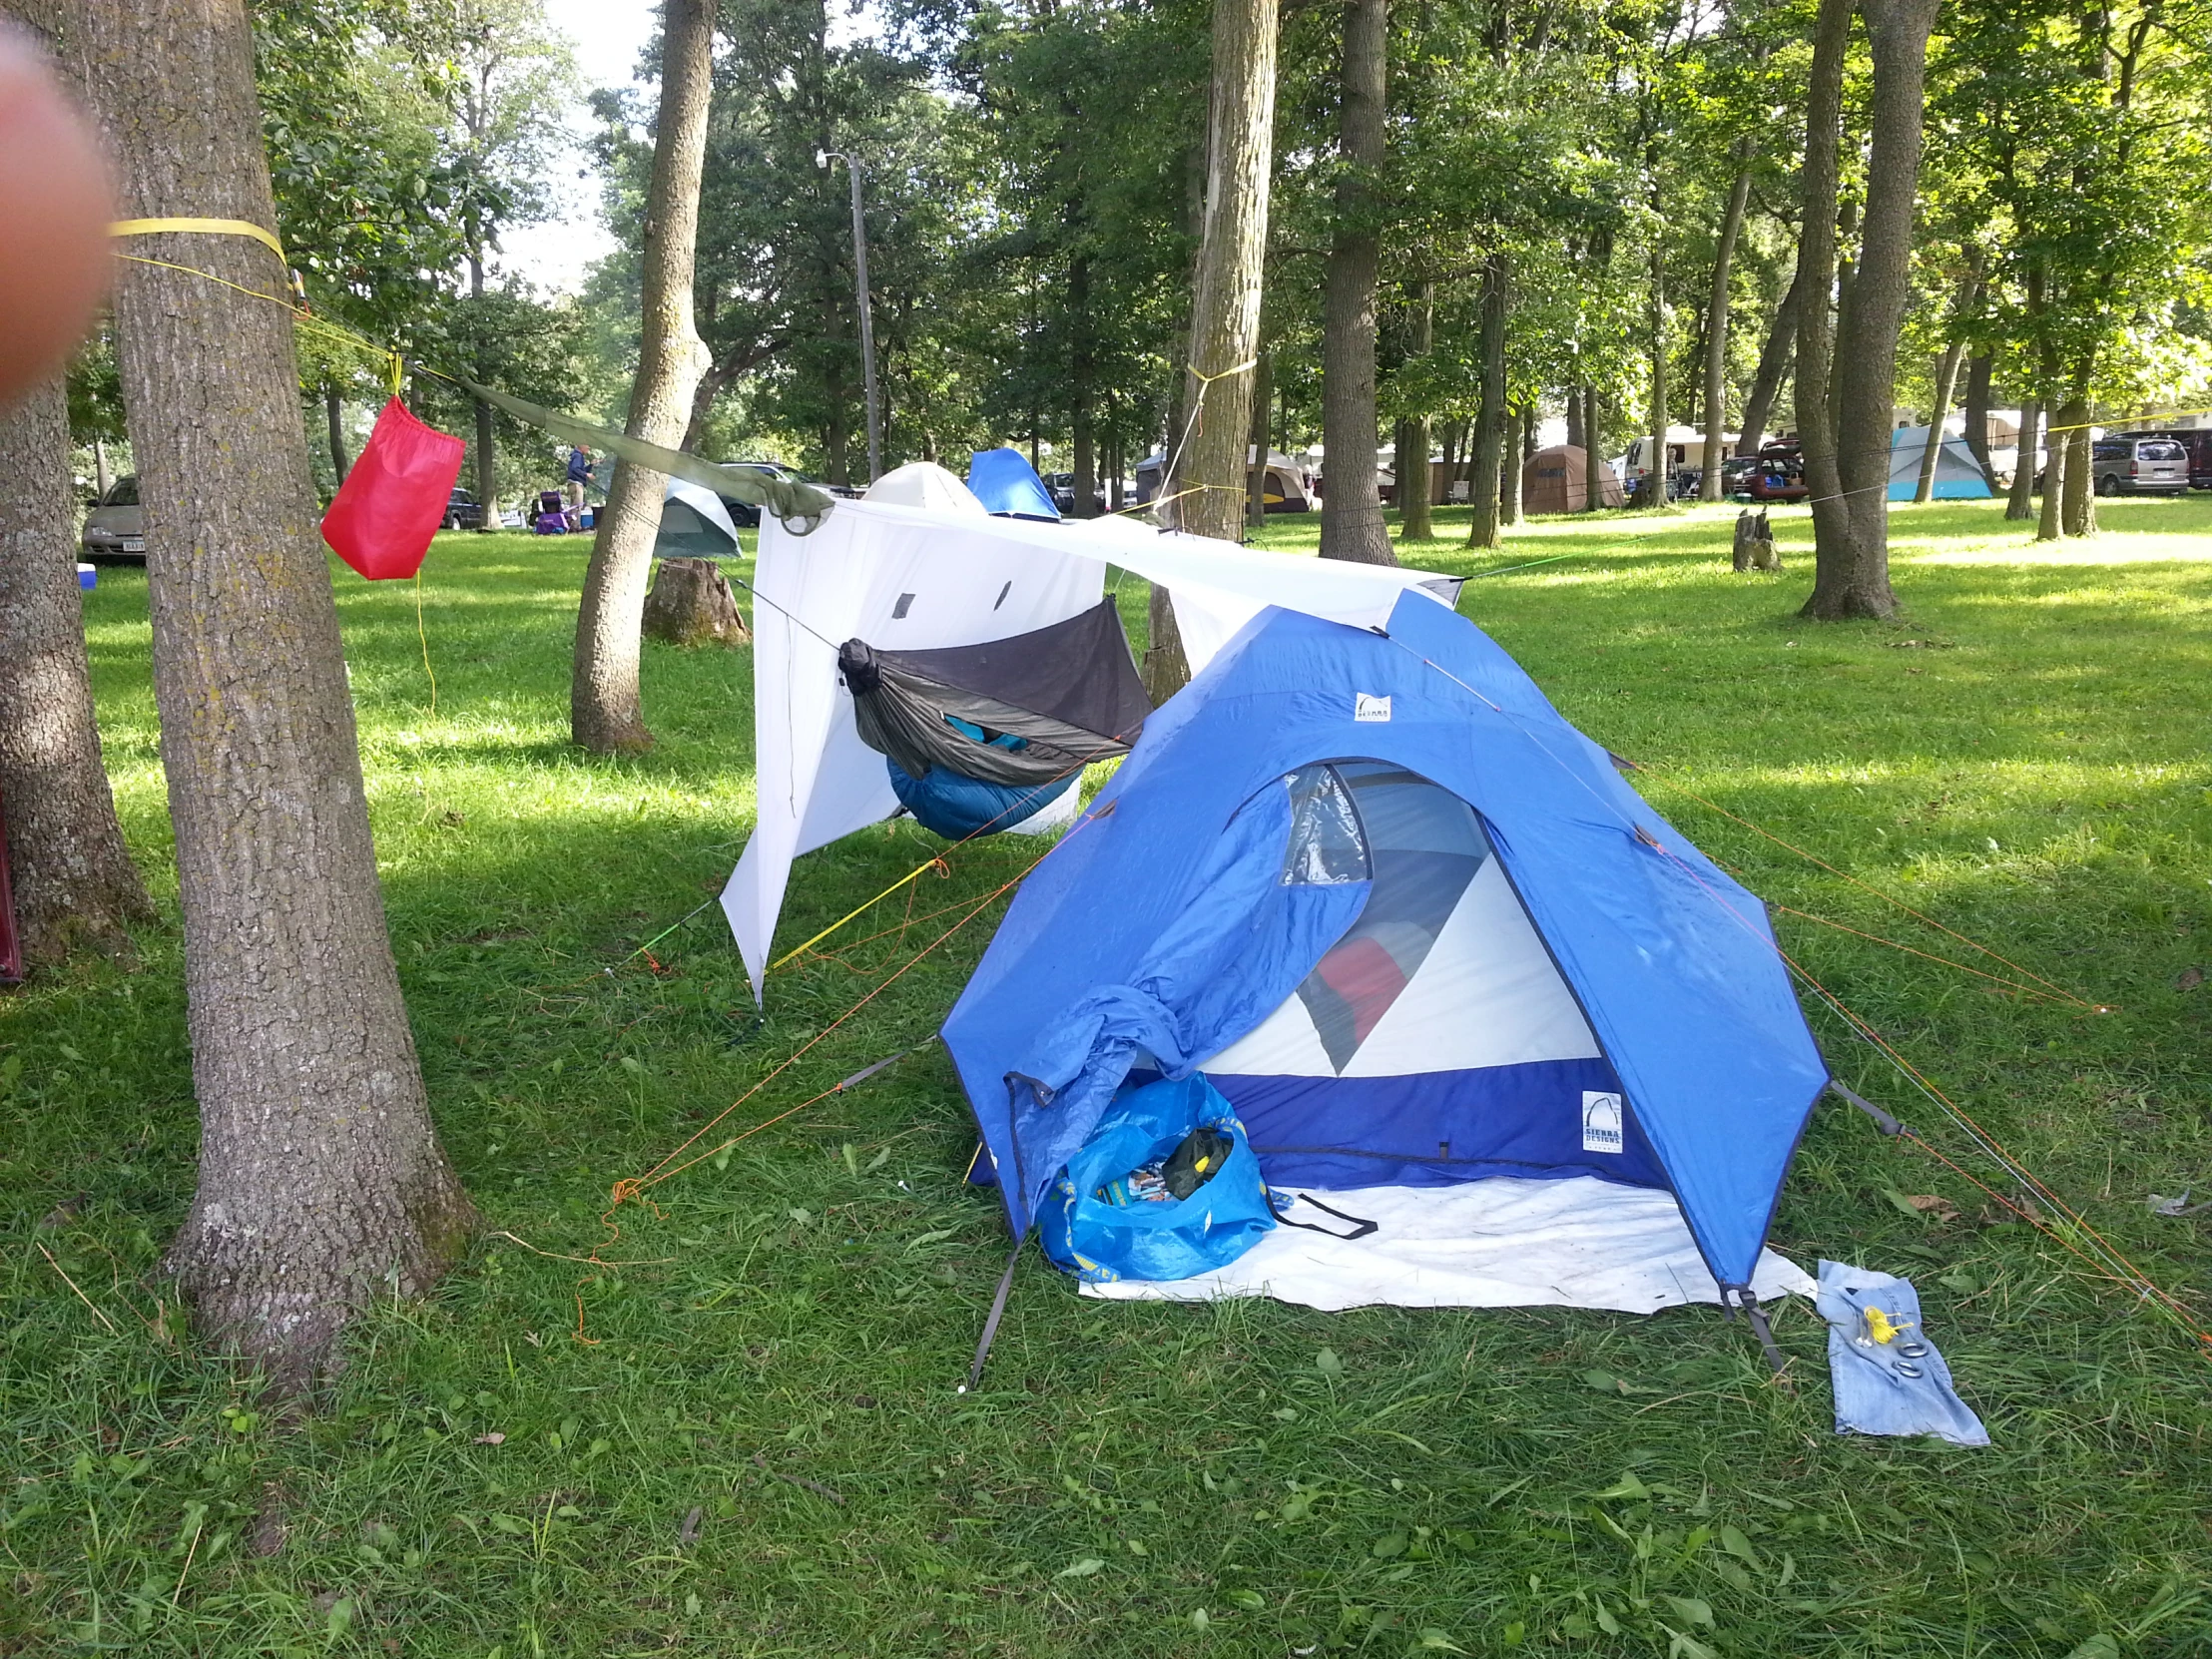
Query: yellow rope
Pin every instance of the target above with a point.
(842, 921)
(425, 639)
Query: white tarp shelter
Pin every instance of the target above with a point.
(916, 578)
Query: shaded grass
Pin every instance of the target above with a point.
(2022, 757)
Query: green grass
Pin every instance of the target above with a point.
(2022, 757)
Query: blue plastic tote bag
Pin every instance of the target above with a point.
(1100, 1239)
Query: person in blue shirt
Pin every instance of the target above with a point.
(580, 469)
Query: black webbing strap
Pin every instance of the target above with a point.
(1882, 1120)
(1757, 1315)
(998, 1312)
(1360, 1227)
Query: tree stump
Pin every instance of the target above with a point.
(1755, 542)
(690, 604)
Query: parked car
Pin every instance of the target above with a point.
(1778, 472)
(2197, 444)
(116, 526)
(2127, 463)
(1062, 487)
(462, 512)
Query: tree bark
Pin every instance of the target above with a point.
(1716, 327)
(1510, 470)
(322, 1180)
(1489, 414)
(1416, 520)
(1226, 289)
(333, 413)
(1256, 490)
(73, 878)
(2080, 496)
(1947, 375)
(2051, 521)
(2020, 501)
(1773, 367)
(1351, 525)
(690, 604)
(1651, 490)
(1979, 370)
(605, 714)
(1080, 389)
(1575, 418)
(487, 438)
(1593, 463)
(1852, 540)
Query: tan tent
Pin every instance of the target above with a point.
(1556, 480)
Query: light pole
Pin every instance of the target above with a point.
(822, 159)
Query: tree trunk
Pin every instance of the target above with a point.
(333, 412)
(605, 715)
(2080, 495)
(1716, 327)
(1575, 418)
(1415, 492)
(1256, 490)
(487, 440)
(100, 478)
(1947, 375)
(1774, 366)
(1652, 491)
(1509, 470)
(711, 386)
(1352, 524)
(2050, 522)
(1080, 390)
(1979, 370)
(1225, 306)
(2020, 501)
(322, 1180)
(73, 878)
(1489, 415)
(1852, 539)
(1593, 462)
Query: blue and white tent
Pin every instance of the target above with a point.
(1449, 968)
(1005, 483)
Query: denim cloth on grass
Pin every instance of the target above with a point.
(1871, 1396)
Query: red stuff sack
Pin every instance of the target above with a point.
(396, 497)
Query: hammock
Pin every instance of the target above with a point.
(1024, 715)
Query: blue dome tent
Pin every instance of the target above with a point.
(1005, 483)
(1423, 935)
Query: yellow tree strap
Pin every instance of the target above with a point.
(211, 227)
(1208, 380)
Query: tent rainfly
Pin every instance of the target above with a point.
(1005, 483)
(1556, 480)
(1456, 976)
(918, 589)
(695, 524)
(1957, 474)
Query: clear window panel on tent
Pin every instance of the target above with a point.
(1327, 845)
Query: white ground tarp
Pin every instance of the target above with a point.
(918, 578)
(1499, 1242)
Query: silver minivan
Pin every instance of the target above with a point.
(116, 527)
(2124, 465)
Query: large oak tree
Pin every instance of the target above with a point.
(322, 1180)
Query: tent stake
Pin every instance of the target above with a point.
(998, 1310)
